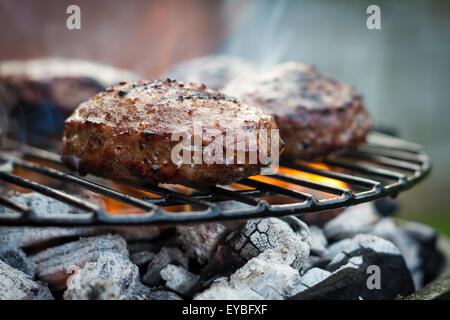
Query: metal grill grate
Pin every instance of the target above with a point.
(383, 166)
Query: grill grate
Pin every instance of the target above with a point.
(383, 166)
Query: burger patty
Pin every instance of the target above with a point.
(47, 90)
(214, 71)
(314, 112)
(125, 133)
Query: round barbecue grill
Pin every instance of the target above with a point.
(383, 166)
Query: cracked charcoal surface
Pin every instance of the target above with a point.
(258, 236)
(56, 264)
(114, 267)
(268, 276)
(17, 285)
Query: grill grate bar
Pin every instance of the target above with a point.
(383, 166)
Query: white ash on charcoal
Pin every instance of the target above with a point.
(16, 258)
(312, 277)
(363, 251)
(290, 236)
(267, 276)
(319, 242)
(116, 268)
(54, 265)
(180, 280)
(342, 284)
(352, 221)
(200, 241)
(31, 236)
(97, 289)
(17, 285)
(163, 258)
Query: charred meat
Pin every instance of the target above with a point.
(314, 112)
(126, 133)
(47, 90)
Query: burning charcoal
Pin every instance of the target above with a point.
(97, 289)
(318, 240)
(54, 265)
(164, 257)
(267, 276)
(352, 221)
(110, 266)
(426, 237)
(200, 241)
(25, 237)
(16, 285)
(363, 251)
(342, 284)
(291, 238)
(408, 246)
(314, 262)
(141, 258)
(313, 277)
(179, 279)
(17, 259)
(163, 295)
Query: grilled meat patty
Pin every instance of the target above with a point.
(214, 71)
(314, 112)
(45, 91)
(125, 133)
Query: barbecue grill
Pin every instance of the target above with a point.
(383, 166)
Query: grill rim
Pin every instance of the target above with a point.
(386, 149)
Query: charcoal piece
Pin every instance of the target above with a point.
(314, 262)
(97, 289)
(141, 258)
(56, 264)
(318, 241)
(164, 257)
(343, 284)
(313, 277)
(363, 251)
(352, 221)
(161, 294)
(424, 234)
(200, 241)
(25, 237)
(17, 285)
(17, 259)
(110, 266)
(426, 238)
(267, 276)
(179, 279)
(408, 246)
(291, 238)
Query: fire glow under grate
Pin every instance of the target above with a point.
(383, 166)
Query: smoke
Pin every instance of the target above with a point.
(257, 33)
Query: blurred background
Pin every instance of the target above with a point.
(403, 70)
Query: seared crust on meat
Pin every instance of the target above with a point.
(314, 112)
(59, 82)
(125, 133)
